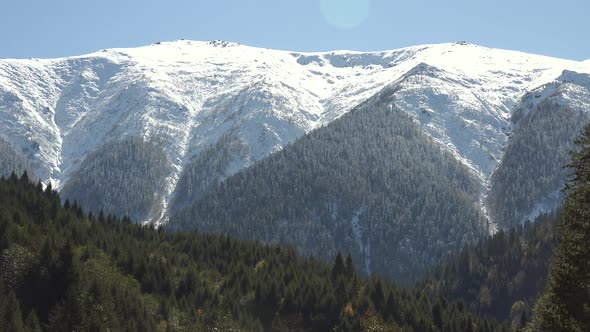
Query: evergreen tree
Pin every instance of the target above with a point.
(338, 269)
(437, 318)
(32, 322)
(349, 266)
(377, 296)
(390, 306)
(3, 307)
(14, 318)
(565, 303)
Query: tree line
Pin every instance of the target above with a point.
(63, 269)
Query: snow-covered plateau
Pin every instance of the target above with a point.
(187, 95)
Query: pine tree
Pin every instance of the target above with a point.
(349, 266)
(437, 316)
(3, 306)
(377, 295)
(338, 269)
(14, 317)
(565, 303)
(390, 307)
(32, 322)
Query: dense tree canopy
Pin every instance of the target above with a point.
(565, 303)
(370, 184)
(64, 270)
(531, 173)
(501, 276)
(11, 161)
(121, 177)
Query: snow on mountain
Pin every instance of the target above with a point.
(189, 94)
(569, 89)
(530, 176)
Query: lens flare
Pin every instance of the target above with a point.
(345, 14)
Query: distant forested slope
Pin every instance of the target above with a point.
(501, 276)
(529, 179)
(370, 184)
(121, 177)
(64, 270)
(11, 161)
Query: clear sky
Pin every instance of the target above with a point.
(53, 28)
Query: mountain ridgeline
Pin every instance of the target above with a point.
(263, 165)
(370, 183)
(215, 108)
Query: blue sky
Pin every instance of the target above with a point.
(42, 28)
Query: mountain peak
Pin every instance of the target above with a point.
(575, 76)
(423, 69)
(223, 43)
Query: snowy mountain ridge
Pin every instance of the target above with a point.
(187, 95)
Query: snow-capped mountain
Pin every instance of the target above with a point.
(187, 96)
(529, 178)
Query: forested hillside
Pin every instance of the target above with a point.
(208, 169)
(501, 276)
(11, 161)
(531, 175)
(64, 270)
(370, 184)
(564, 305)
(121, 177)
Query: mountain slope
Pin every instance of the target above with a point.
(189, 95)
(529, 179)
(500, 276)
(11, 161)
(139, 185)
(63, 270)
(369, 183)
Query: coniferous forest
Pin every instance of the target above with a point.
(65, 270)
(136, 168)
(502, 276)
(294, 166)
(526, 176)
(565, 302)
(369, 183)
(11, 161)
